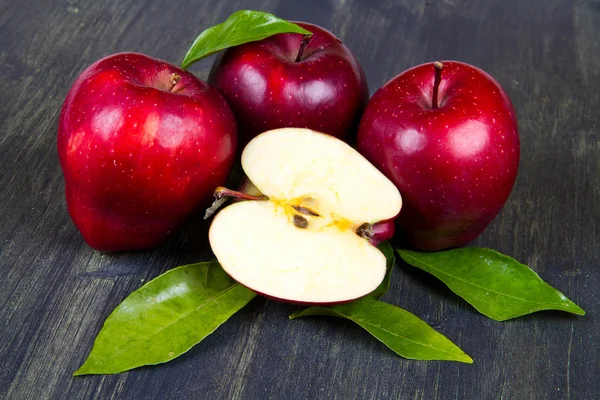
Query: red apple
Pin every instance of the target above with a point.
(287, 80)
(142, 144)
(447, 136)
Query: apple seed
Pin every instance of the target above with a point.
(306, 211)
(300, 221)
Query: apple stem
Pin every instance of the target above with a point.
(173, 80)
(436, 83)
(221, 192)
(303, 44)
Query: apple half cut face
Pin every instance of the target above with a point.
(306, 239)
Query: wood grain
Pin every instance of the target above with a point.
(56, 292)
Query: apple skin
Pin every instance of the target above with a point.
(326, 91)
(305, 303)
(382, 231)
(138, 157)
(454, 165)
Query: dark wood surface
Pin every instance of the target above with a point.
(55, 292)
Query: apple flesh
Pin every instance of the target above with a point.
(447, 136)
(287, 80)
(142, 144)
(303, 240)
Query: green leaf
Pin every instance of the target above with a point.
(165, 318)
(384, 286)
(241, 27)
(496, 285)
(401, 331)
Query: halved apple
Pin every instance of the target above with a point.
(309, 237)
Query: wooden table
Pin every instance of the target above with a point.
(56, 292)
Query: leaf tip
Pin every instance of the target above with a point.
(465, 358)
(85, 369)
(578, 310)
(295, 315)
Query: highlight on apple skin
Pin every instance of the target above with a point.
(142, 145)
(446, 134)
(287, 80)
(306, 235)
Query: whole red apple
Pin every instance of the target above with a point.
(446, 134)
(287, 80)
(142, 144)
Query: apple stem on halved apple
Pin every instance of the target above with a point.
(173, 80)
(221, 192)
(436, 83)
(305, 40)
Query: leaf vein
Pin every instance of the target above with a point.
(401, 336)
(155, 333)
(481, 287)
